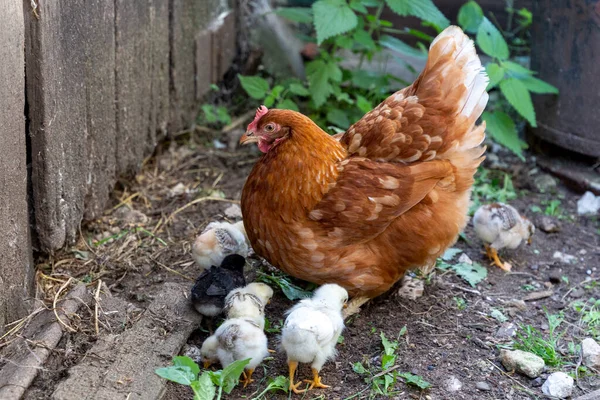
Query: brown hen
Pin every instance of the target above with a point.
(389, 195)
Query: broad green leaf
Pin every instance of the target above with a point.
(333, 17)
(231, 374)
(403, 331)
(495, 73)
(398, 45)
(526, 17)
(503, 131)
(389, 347)
(388, 361)
(416, 380)
(279, 383)
(358, 6)
(359, 368)
(319, 74)
(472, 273)
(345, 42)
(299, 89)
(518, 96)
(424, 9)
(203, 388)
(516, 70)
(538, 86)
(490, 40)
(178, 374)
(450, 253)
(364, 38)
(296, 14)
(277, 91)
(290, 290)
(497, 315)
(338, 118)
(255, 86)
(269, 101)
(184, 361)
(371, 3)
(287, 104)
(470, 16)
(363, 104)
(223, 115)
(209, 113)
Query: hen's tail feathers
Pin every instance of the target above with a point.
(454, 81)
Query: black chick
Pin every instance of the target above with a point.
(211, 287)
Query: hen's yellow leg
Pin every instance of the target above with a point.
(247, 377)
(353, 306)
(316, 381)
(292, 365)
(493, 255)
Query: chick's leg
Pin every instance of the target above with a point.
(492, 254)
(316, 381)
(247, 377)
(292, 365)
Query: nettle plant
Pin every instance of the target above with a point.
(335, 96)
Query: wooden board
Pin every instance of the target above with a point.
(16, 269)
(70, 89)
(142, 77)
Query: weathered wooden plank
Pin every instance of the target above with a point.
(70, 89)
(16, 269)
(223, 44)
(142, 59)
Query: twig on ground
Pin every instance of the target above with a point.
(96, 301)
(63, 287)
(199, 200)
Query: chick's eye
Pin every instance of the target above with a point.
(269, 127)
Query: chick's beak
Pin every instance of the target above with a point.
(249, 137)
(529, 241)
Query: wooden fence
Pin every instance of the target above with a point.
(87, 89)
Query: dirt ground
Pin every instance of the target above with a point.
(145, 237)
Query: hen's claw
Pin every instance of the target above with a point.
(316, 381)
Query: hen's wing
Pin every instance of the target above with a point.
(434, 117)
(375, 194)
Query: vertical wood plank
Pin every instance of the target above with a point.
(70, 89)
(16, 269)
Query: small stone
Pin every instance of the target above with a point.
(534, 267)
(131, 216)
(521, 361)
(555, 275)
(577, 293)
(588, 271)
(588, 204)
(545, 183)
(564, 258)
(548, 224)
(558, 385)
(337, 389)
(193, 352)
(465, 259)
(233, 211)
(544, 326)
(177, 190)
(452, 384)
(219, 145)
(537, 382)
(484, 386)
(506, 330)
(590, 353)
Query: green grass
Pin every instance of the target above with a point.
(491, 186)
(532, 340)
(589, 316)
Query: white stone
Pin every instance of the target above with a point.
(558, 385)
(452, 384)
(588, 204)
(564, 258)
(590, 353)
(523, 362)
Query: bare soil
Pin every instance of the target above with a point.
(145, 237)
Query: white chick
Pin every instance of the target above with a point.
(249, 302)
(311, 331)
(218, 240)
(237, 339)
(500, 226)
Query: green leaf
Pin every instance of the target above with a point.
(495, 73)
(363, 104)
(470, 16)
(371, 3)
(424, 9)
(178, 374)
(332, 17)
(296, 14)
(223, 115)
(415, 380)
(503, 131)
(450, 253)
(319, 74)
(288, 104)
(184, 361)
(389, 347)
(388, 361)
(359, 368)
(498, 316)
(290, 290)
(357, 6)
(490, 40)
(209, 113)
(230, 376)
(536, 85)
(398, 45)
(299, 89)
(516, 70)
(518, 96)
(269, 101)
(255, 86)
(203, 388)
(364, 38)
(472, 273)
(345, 42)
(338, 118)
(277, 91)
(279, 383)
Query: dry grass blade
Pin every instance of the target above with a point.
(63, 287)
(96, 302)
(199, 200)
(173, 271)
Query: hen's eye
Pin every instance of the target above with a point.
(269, 127)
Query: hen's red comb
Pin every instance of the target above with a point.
(260, 112)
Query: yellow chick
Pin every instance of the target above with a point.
(311, 331)
(218, 240)
(501, 226)
(249, 301)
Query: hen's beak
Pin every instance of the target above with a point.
(248, 137)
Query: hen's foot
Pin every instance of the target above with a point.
(292, 365)
(353, 306)
(493, 255)
(247, 377)
(411, 288)
(316, 381)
